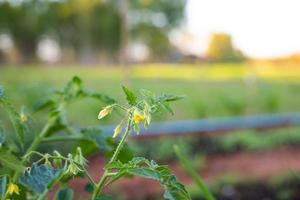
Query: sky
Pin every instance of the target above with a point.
(260, 28)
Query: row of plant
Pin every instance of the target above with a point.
(204, 99)
(200, 147)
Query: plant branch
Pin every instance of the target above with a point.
(33, 146)
(106, 174)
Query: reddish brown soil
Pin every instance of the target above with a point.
(256, 165)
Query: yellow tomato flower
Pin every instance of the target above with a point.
(13, 188)
(138, 118)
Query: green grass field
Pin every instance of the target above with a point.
(211, 91)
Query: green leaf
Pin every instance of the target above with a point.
(38, 178)
(74, 86)
(76, 81)
(155, 103)
(145, 172)
(104, 98)
(170, 97)
(114, 165)
(140, 160)
(65, 194)
(48, 104)
(165, 105)
(10, 161)
(3, 182)
(130, 96)
(73, 90)
(174, 190)
(149, 169)
(20, 128)
(57, 120)
(148, 95)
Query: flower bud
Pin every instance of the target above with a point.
(105, 111)
(118, 130)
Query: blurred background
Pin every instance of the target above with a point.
(236, 61)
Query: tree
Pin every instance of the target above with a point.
(221, 49)
(154, 19)
(26, 23)
(89, 27)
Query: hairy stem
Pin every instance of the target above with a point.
(39, 138)
(106, 174)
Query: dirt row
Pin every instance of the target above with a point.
(250, 165)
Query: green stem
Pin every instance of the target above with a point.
(100, 185)
(191, 171)
(106, 174)
(38, 139)
(89, 176)
(33, 146)
(121, 143)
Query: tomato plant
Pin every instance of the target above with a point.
(28, 173)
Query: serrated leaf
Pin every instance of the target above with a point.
(39, 177)
(170, 97)
(57, 120)
(20, 128)
(174, 190)
(166, 106)
(148, 95)
(114, 165)
(3, 182)
(65, 194)
(130, 96)
(140, 160)
(76, 80)
(48, 104)
(149, 169)
(10, 161)
(145, 172)
(73, 89)
(104, 98)
(120, 174)
(74, 85)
